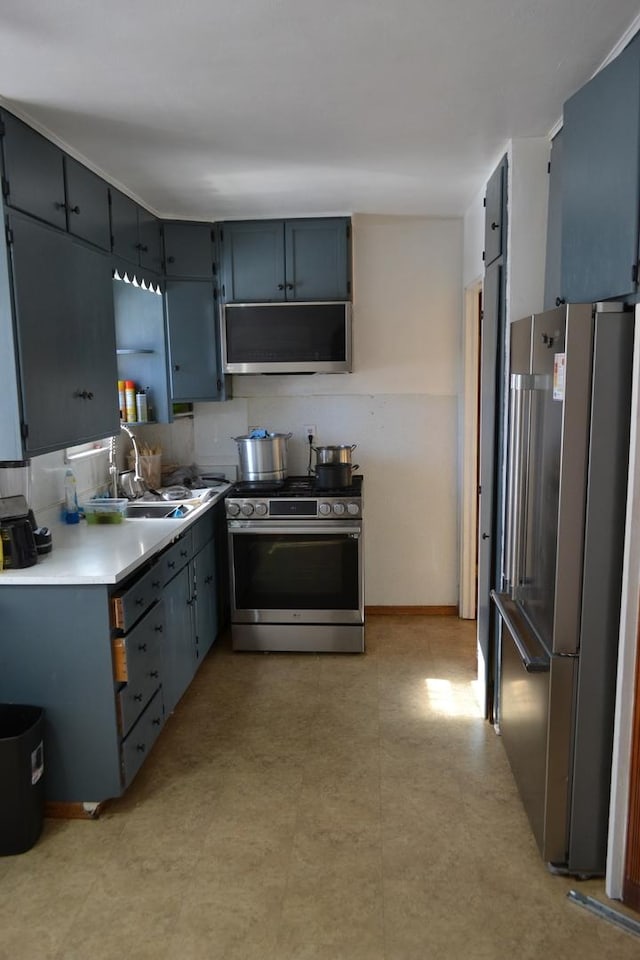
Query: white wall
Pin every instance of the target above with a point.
(473, 264)
(400, 406)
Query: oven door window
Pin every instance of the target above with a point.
(296, 571)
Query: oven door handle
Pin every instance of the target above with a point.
(291, 527)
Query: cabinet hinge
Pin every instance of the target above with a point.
(549, 167)
(634, 273)
(483, 256)
(219, 385)
(5, 187)
(224, 292)
(2, 128)
(9, 234)
(348, 230)
(24, 430)
(213, 235)
(484, 202)
(214, 267)
(221, 236)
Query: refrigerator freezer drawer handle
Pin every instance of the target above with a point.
(531, 664)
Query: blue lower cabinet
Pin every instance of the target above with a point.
(109, 664)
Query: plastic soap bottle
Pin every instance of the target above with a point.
(70, 507)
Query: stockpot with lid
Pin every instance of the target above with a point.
(263, 458)
(339, 453)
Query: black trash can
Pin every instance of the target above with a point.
(21, 777)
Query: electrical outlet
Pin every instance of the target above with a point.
(310, 430)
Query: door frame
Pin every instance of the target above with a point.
(468, 589)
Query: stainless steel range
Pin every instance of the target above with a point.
(296, 557)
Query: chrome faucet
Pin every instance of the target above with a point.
(113, 466)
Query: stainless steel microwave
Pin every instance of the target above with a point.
(286, 337)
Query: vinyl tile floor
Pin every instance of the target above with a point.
(305, 807)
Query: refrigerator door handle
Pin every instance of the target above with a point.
(530, 663)
(522, 386)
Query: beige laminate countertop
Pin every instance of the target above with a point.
(86, 553)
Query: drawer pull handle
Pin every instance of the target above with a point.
(139, 601)
(155, 674)
(155, 584)
(171, 564)
(75, 209)
(208, 579)
(141, 747)
(183, 553)
(142, 647)
(156, 721)
(159, 628)
(137, 697)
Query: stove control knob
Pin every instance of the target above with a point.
(324, 509)
(247, 509)
(338, 509)
(261, 509)
(233, 509)
(353, 509)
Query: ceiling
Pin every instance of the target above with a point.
(211, 109)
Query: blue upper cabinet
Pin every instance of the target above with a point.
(135, 233)
(265, 261)
(252, 261)
(317, 259)
(495, 214)
(601, 183)
(189, 250)
(41, 180)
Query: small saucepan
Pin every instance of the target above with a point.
(331, 476)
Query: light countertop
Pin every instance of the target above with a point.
(86, 553)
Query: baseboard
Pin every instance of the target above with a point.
(412, 611)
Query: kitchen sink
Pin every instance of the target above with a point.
(157, 511)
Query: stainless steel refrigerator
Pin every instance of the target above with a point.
(559, 607)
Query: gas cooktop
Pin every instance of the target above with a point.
(294, 487)
(296, 498)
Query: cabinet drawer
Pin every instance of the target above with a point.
(137, 745)
(137, 659)
(175, 557)
(129, 605)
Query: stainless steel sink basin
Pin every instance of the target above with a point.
(157, 511)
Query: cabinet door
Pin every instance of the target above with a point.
(600, 186)
(553, 262)
(87, 204)
(124, 226)
(188, 250)
(149, 241)
(178, 646)
(494, 215)
(317, 260)
(66, 342)
(193, 340)
(206, 605)
(253, 261)
(33, 173)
